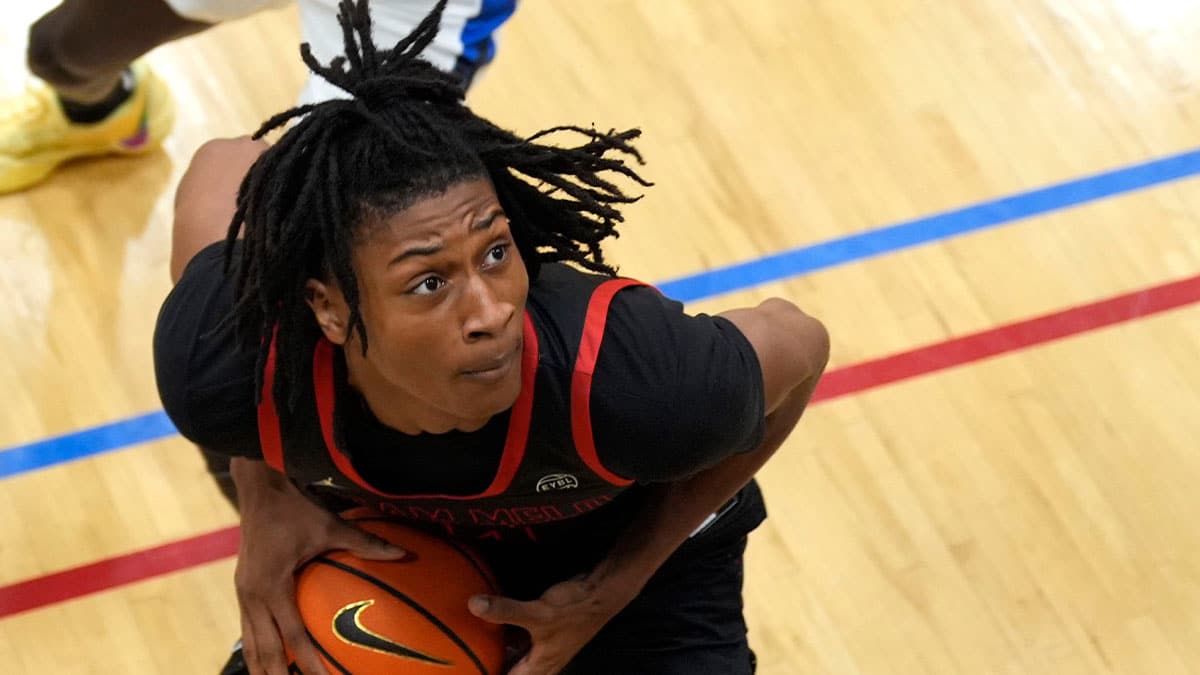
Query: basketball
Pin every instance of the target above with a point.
(407, 616)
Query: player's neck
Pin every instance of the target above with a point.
(399, 409)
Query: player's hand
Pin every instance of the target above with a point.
(281, 530)
(560, 623)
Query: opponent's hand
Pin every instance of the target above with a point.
(281, 530)
(560, 623)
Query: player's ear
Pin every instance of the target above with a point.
(330, 309)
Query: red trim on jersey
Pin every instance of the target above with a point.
(522, 415)
(581, 380)
(514, 445)
(268, 420)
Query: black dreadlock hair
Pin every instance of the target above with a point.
(404, 135)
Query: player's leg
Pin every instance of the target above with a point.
(95, 96)
(82, 47)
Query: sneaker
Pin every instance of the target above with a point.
(35, 135)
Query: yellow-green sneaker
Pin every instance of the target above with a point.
(35, 135)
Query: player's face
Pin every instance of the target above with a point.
(442, 294)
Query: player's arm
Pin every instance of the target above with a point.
(206, 383)
(207, 196)
(281, 530)
(792, 349)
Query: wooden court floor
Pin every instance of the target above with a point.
(1010, 504)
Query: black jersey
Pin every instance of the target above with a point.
(621, 389)
(548, 470)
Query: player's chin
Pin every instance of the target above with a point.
(488, 396)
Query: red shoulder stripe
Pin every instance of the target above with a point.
(581, 379)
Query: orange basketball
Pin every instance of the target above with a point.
(409, 616)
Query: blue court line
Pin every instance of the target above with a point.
(927, 229)
(155, 425)
(84, 443)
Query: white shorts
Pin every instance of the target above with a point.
(467, 29)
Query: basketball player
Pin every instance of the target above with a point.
(96, 98)
(390, 322)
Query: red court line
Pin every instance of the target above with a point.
(113, 572)
(186, 553)
(1007, 338)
